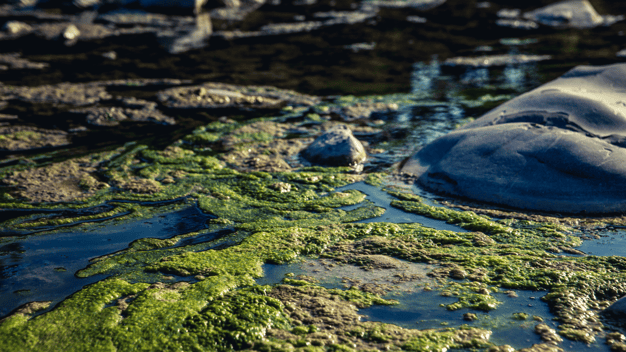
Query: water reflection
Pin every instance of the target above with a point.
(514, 76)
(609, 243)
(41, 268)
(394, 215)
(423, 78)
(185, 39)
(476, 76)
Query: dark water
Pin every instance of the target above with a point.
(394, 215)
(406, 58)
(42, 267)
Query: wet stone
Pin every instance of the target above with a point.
(221, 95)
(470, 316)
(336, 147)
(72, 32)
(542, 347)
(141, 185)
(364, 110)
(282, 187)
(517, 24)
(15, 62)
(495, 60)
(266, 156)
(331, 18)
(571, 14)
(112, 116)
(557, 148)
(139, 18)
(61, 182)
(62, 93)
(509, 13)
(16, 138)
(548, 334)
(16, 27)
(416, 19)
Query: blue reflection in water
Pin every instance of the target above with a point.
(423, 78)
(610, 243)
(383, 199)
(30, 266)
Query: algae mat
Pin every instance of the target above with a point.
(190, 281)
(154, 199)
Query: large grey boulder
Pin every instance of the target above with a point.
(335, 147)
(560, 148)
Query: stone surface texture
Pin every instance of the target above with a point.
(335, 147)
(558, 148)
(571, 13)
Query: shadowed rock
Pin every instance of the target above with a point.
(335, 147)
(616, 312)
(557, 148)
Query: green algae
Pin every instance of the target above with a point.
(225, 310)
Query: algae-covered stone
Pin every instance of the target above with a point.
(62, 182)
(112, 116)
(548, 334)
(16, 138)
(335, 147)
(557, 148)
(62, 93)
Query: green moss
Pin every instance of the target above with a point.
(226, 310)
(375, 179)
(361, 299)
(437, 341)
(475, 301)
(578, 335)
(520, 316)
(81, 322)
(237, 319)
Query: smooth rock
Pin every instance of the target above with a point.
(336, 147)
(560, 147)
(572, 14)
